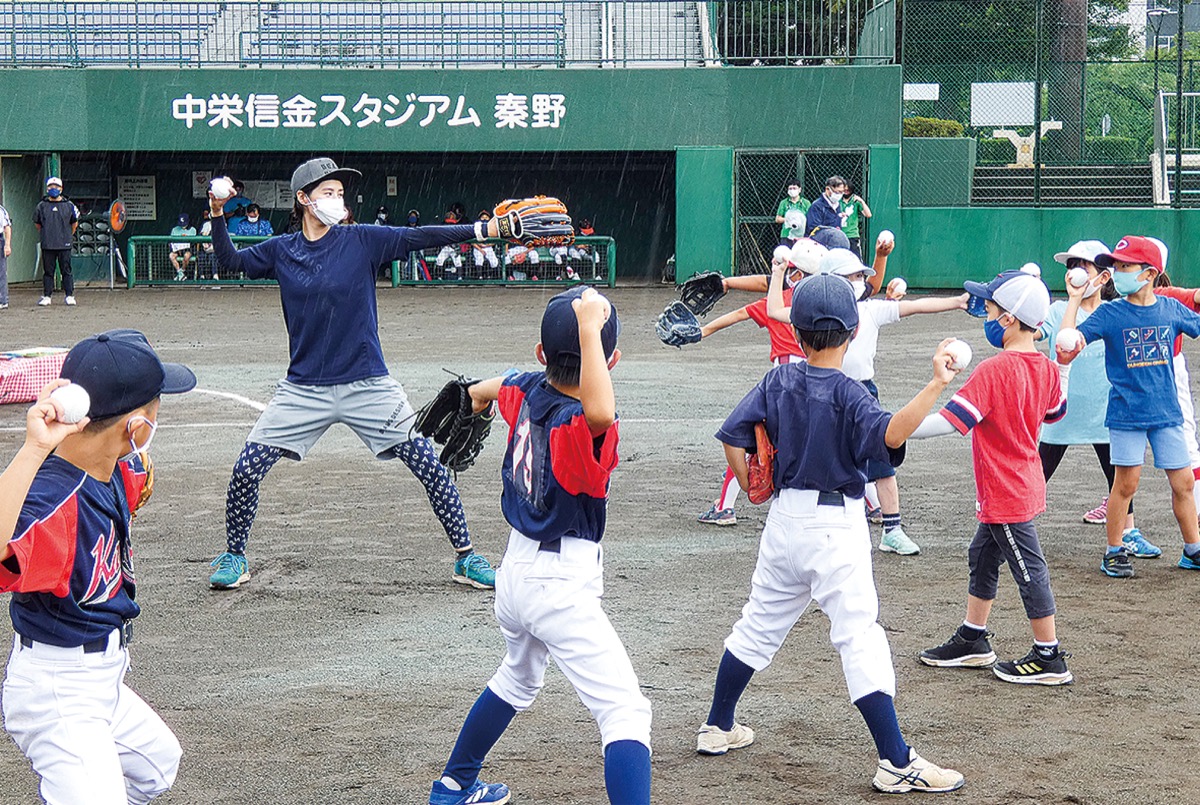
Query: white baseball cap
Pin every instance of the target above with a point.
(1021, 294)
(807, 255)
(1083, 250)
(844, 263)
(54, 180)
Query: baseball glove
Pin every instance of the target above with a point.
(450, 420)
(702, 291)
(677, 326)
(147, 488)
(762, 467)
(533, 222)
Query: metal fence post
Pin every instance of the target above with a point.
(1179, 43)
(1037, 102)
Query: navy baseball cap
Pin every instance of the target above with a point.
(121, 372)
(560, 329)
(1021, 294)
(831, 238)
(824, 302)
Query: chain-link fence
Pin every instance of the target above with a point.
(1058, 97)
(762, 179)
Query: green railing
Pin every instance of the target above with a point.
(151, 261)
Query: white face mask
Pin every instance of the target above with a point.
(860, 288)
(329, 211)
(134, 449)
(793, 194)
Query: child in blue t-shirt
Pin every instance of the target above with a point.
(562, 447)
(1139, 332)
(816, 545)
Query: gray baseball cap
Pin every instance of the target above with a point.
(318, 170)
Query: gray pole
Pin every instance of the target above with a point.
(1037, 104)
(1179, 109)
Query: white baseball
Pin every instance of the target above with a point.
(1078, 277)
(74, 400)
(886, 236)
(1068, 339)
(592, 292)
(960, 351)
(782, 253)
(221, 188)
(899, 286)
(1032, 268)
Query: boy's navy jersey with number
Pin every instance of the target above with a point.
(555, 473)
(71, 546)
(327, 290)
(831, 428)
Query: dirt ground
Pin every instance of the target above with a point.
(342, 671)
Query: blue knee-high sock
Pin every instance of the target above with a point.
(418, 455)
(879, 712)
(487, 721)
(241, 501)
(627, 773)
(732, 677)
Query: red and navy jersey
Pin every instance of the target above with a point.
(555, 472)
(71, 573)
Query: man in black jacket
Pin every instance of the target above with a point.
(56, 219)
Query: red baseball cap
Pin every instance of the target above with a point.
(1133, 249)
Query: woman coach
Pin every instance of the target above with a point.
(326, 275)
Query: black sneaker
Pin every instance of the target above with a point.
(1117, 564)
(1034, 670)
(958, 652)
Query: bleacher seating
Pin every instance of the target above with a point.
(408, 34)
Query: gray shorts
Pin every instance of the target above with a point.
(1017, 544)
(376, 409)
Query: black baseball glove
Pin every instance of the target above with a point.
(450, 420)
(677, 326)
(701, 292)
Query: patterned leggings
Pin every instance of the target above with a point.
(256, 460)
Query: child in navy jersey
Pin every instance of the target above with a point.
(65, 506)
(562, 447)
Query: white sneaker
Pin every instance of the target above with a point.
(716, 741)
(3, 305)
(71, 301)
(918, 775)
(45, 300)
(896, 541)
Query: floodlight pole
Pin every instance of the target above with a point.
(1179, 108)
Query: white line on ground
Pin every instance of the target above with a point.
(255, 404)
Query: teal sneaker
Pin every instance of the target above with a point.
(473, 569)
(1189, 562)
(1139, 546)
(896, 541)
(232, 570)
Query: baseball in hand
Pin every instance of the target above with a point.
(1068, 339)
(592, 293)
(960, 351)
(1032, 268)
(221, 188)
(899, 286)
(1078, 277)
(886, 236)
(74, 400)
(782, 253)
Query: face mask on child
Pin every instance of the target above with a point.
(134, 448)
(860, 289)
(1127, 283)
(993, 330)
(793, 193)
(54, 192)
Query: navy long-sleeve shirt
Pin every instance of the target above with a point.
(821, 213)
(327, 290)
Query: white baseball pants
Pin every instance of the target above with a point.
(1183, 392)
(87, 734)
(816, 553)
(548, 605)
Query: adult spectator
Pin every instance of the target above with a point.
(206, 263)
(254, 224)
(826, 211)
(237, 207)
(381, 216)
(5, 251)
(181, 252)
(56, 219)
(794, 201)
(854, 208)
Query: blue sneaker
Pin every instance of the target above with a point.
(476, 571)
(1189, 562)
(1139, 546)
(495, 793)
(715, 516)
(232, 570)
